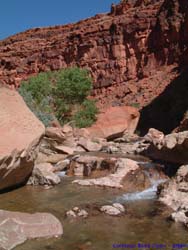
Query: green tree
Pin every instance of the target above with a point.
(73, 85)
(60, 94)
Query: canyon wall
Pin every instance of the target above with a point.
(133, 53)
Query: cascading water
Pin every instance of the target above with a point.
(147, 194)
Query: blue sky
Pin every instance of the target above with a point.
(19, 15)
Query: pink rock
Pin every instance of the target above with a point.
(18, 125)
(16, 227)
(114, 122)
(20, 133)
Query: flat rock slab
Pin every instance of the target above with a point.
(18, 125)
(16, 227)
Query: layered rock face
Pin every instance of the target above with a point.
(132, 53)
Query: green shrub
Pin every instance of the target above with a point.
(56, 94)
(73, 85)
(38, 86)
(87, 115)
(135, 105)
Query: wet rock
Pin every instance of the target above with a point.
(77, 212)
(83, 213)
(119, 206)
(43, 174)
(71, 213)
(115, 209)
(136, 181)
(123, 167)
(75, 209)
(16, 228)
(110, 210)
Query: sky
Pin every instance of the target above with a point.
(19, 15)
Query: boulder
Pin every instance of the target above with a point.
(119, 206)
(114, 209)
(114, 122)
(174, 192)
(110, 210)
(43, 174)
(172, 148)
(16, 227)
(18, 125)
(20, 133)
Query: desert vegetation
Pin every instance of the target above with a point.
(61, 95)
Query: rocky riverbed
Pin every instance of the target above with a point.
(90, 192)
(97, 231)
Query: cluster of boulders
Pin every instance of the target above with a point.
(77, 212)
(174, 192)
(171, 148)
(88, 158)
(114, 209)
(102, 153)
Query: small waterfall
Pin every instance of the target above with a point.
(147, 194)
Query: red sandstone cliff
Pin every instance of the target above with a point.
(132, 52)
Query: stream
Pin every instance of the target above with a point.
(144, 226)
